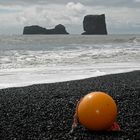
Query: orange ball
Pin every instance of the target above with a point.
(97, 111)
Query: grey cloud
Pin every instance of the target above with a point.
(107, 3)
(114, 3)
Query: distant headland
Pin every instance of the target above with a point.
(35, 29)
(92, 25)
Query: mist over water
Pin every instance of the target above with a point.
(26, 60)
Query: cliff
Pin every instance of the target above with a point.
(35, 29)
(94, 25)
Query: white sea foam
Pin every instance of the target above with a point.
(26, 60)
(29, 76)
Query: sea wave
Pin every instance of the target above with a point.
(26, 60)
(45, 41)
(81, 55)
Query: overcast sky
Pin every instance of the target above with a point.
(122, 16)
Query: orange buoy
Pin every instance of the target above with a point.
(97, 111)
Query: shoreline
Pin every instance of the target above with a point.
(58, 79)
(45, 111)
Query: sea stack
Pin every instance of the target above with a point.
(35, 29)
(94, 25)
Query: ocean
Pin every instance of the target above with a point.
(35, 59)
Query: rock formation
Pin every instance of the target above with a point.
(94, 25)
(35, 29)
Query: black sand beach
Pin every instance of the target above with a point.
(45, 111)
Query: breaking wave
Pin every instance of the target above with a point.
(26, 60)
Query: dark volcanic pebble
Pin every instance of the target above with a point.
(45, 111)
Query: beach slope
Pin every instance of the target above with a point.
(45, 111)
